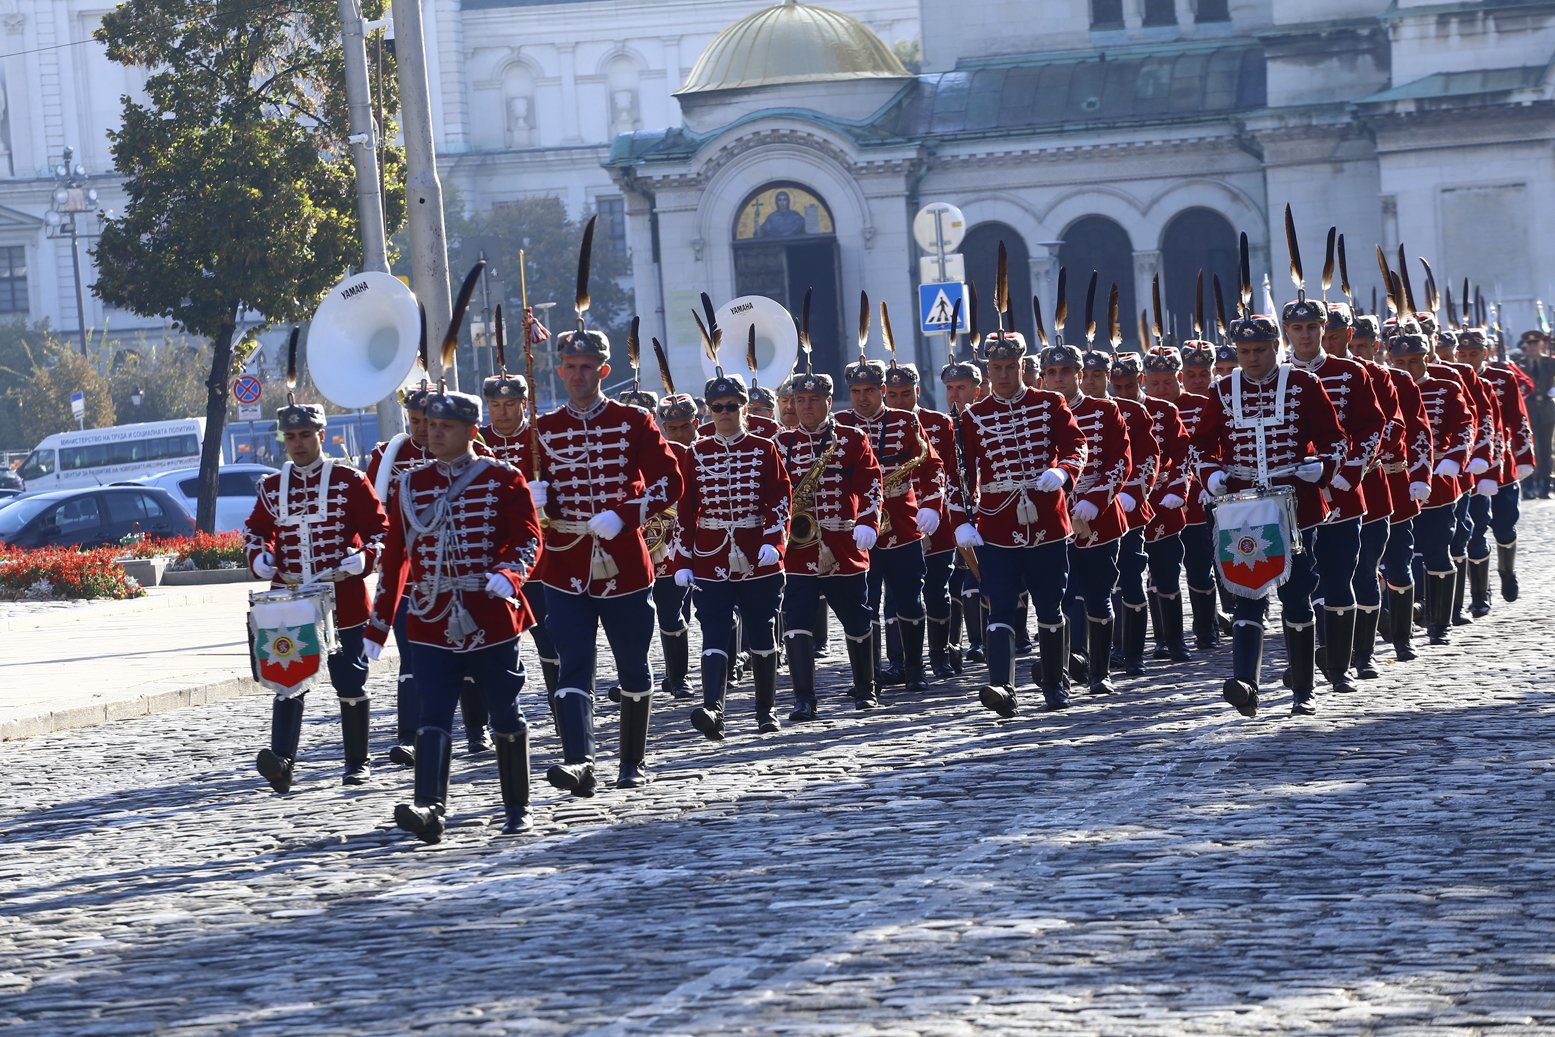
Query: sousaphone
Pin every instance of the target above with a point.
(363, 340)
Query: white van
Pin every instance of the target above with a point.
(99, 456)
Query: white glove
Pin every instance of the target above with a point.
(768, 555)
(499, 586)
(1486, 487)
(1127, 500)
(1312, 471)
(264, 566)
(1448, 467)
(540, 493)
(1085, 511)
(1524, 471)
(372, 649)
(1340, 483)
(927, 521)
(1216, 484)
(1050, 480)
(353, 564)
(606, 525)
(967, 536)
(1171, 502)
(684, 577)
(1205, 498)
(865, 536)
(1479, 466)
(1420, 491)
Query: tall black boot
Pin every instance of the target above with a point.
(1365, 643)
(1241, 688)
(1053, 654)
(820, 636)
(800, 650)
(355, 718)
(1506, 569)
(575, 717)
(636, 710)
(1170, 630)
(1023, 642)
(939, 649)
(909, 632)
(276, 763)
(1079, 643)
(1301, 643)
(472, 704)
(976, 629)
(407, 713)
(1342, 624)
(953, 636)
(513, 772)
(764, 677)
(1131, 635)
(999, 693)
(1401, 607)
(1206, 632)
(1479, 587)
(893, 672)
(1438, 604)
(1098, 647)
(861, 660)
(424, 819)
(677, 662)
(708, 718)
(1459, 586)
(1157, 625)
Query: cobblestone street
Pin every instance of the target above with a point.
(1147, 863)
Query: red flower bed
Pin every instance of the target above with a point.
(198, 551)
(64, 572)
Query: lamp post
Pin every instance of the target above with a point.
(136, 397)
(72, 198)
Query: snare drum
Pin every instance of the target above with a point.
(1256, 536)
(291, 631)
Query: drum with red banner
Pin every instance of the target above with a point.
(291, 631)
(1256, 537)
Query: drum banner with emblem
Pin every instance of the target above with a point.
(288, 644)
(1252, 544)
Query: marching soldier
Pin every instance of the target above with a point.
(1485, 414)
(1145, 464)
(733, 525)
(785, 405)
(1023, 450)
(463, 537)
(963, 382)
(1540, 367)
(1190, 395)
(1271, 425)
(1498, 509)
(318, 520)
(677, 420)
(834, 514)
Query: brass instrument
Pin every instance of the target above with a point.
(657, 530)
(897, 476)
(803, 530)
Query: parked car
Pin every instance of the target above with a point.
(10, 482)
(237, 485)
(92, 517)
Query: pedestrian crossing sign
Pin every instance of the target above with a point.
(936, 303)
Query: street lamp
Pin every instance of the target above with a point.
(72, 198)
(136, 397)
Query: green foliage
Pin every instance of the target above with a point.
(170, 377)
(23, 351)
(910, 54)
(45, 402)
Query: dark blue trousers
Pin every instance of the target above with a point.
(348, 666)
(1132, 563)
(1398, 557)
(1164, 559)
(1336, 547)
(1093, 571)
(1041, 571)
(1463, 527)
(899, 573)
(669, 602)
(1374, 541)
(496, 671)
(757, 601)
(1505, 510)
(573, 620)
(846, 596)
(936, 584)
(1198, 556)
(1433, 538)
(534, 596)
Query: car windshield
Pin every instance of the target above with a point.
(18, 513)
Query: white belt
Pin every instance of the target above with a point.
(1396, 468)
(899, 490)
(569, 526)
(725, 525)
(1009, 485)
(1246, 472)
(836, 525)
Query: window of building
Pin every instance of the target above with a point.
(1160, 12)
(612, 218)
(1106, 14)
(13, 279)
(1212, 11)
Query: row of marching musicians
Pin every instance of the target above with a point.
(1049, 488)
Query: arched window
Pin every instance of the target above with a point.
(518, 107)
(785, 244)
(1197, 239)
(782, 210)
(622, 95)
(981, 249)
(1100, 244)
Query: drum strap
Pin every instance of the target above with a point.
(1262, 424)
(304, 521)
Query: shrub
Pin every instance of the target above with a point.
(197, 551)
(64, 572)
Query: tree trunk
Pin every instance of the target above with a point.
(215, 422)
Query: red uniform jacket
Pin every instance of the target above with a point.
(1413, 462)
(897, 438)
(1172, 477)
(440, 552)
(1452, 434)
(1009, 444)
(663, 530)
(1516, 432)
(1146, 460)
(1375, 487)
(755, 424)
(406, 456)
(610, 458)
(1355, 403)
(847, 494)
(1293, 427)
(313, 525)
(735, 501)
(516, 450)
(1190, 407)
(942, 437)
(1108, 467)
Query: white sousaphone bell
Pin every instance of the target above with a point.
(777, 339)
(363, 341)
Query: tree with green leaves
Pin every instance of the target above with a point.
(45, 402)
(239, 183)
(23, 352)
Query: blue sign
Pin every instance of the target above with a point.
(936, 303)
(247, 389)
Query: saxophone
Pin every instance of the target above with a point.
(803, 530)
(897, 476)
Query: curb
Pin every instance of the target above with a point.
(125, 709)
(87, 610)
